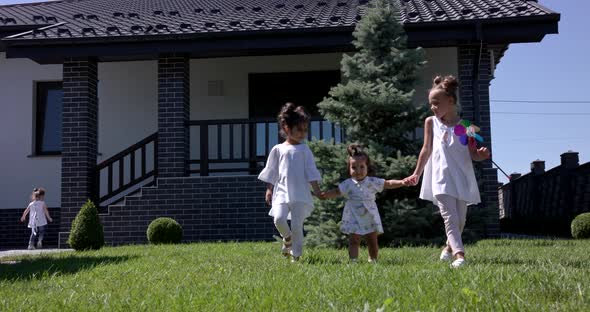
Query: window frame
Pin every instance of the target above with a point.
(41, 91)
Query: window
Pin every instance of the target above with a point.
(48, 118)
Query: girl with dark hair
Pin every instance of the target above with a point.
(289, 171)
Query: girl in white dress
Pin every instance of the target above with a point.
(361, 216)
(38, 216)
(289, 171)
(449, 180)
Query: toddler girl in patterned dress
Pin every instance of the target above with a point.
(361, 216)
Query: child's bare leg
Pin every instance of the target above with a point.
(373, 245)
(354, 241)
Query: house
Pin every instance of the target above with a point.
(166, 108)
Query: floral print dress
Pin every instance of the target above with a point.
(361, 215)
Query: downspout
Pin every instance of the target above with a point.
(475, 78)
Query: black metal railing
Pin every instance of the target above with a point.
(119, 173)
(242, 145)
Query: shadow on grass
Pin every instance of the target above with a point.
(41, 267)
(527, 242)
(315, 259)
(575, 264)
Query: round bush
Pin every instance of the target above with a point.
(164, 231)
(581, 226)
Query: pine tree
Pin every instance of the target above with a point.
(374, 101)
(374, 104)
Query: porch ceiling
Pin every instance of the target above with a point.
(138, 29)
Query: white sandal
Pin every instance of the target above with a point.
(445, 255)
(286, 248)
(458, 263)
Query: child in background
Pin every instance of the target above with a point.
(38, 216)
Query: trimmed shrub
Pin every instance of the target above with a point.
(164, 231)
(86, 232)
(581, 226)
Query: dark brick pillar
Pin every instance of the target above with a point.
(79, 138)
(475, 77)
(173, 115)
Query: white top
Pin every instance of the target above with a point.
(360, 215)
(37, 214)
(291, 168)
(449, 169)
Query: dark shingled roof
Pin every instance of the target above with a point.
(69, 19)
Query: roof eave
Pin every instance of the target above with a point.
(334, 39)
(328, 39)
(489, 31)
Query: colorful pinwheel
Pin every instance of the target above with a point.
(467, 133)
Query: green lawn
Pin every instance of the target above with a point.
(503, 275)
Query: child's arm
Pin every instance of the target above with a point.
(46, 211)
(331, 194)
(424, 153)
(268, 195)
(393, 184)
(270, 174)
(316, 189)
(22, 219)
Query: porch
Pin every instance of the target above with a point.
(230, 147)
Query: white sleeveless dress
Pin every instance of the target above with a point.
(449, 169)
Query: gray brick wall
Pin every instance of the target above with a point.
(173, 115)
(79, 136)
(208, 208)
(15, 235)
(474, 97)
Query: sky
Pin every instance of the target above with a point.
(555, 70)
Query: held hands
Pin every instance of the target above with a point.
(411, 180)
(268, 197)
(319, 195)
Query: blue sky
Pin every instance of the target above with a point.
(556, 69)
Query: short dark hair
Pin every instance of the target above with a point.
(357, 151)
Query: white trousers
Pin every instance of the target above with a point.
(281, 211)
(454, 213)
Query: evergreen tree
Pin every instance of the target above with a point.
(374, 101)
(374, 104)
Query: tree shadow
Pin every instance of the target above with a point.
(41, 267)
(571, 263)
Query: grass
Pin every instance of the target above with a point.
(503, 275)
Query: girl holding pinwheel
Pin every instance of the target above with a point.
(446, 162)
